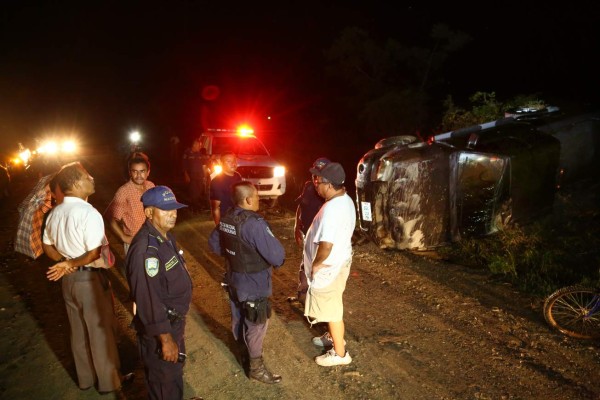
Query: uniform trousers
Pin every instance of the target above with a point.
(198, 192)
(253, 334)
(89, 303)
(164, 379)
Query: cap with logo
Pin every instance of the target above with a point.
(333, 172)
(320, 162)
(161, 197)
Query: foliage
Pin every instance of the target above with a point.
(485, 107)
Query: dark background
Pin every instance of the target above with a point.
(97, 70)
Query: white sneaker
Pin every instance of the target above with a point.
(331, 358)
(324, 340)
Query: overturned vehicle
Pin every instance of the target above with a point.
(466, 183)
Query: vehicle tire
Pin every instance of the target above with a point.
(565, 310)
(395, 141)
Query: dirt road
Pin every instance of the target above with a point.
(417, 328)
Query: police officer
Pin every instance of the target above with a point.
(244, 238)
(161, 287)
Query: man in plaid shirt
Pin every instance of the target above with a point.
(125, 213)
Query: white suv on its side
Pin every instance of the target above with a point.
(255, 164)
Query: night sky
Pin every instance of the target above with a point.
(101, 70)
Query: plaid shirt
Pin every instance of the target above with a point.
(28, 240)
(127, 208)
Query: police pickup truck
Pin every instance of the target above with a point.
(255, 163)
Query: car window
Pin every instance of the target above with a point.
(238, 145)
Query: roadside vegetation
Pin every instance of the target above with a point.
(558, 250)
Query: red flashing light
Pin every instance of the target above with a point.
(245, 130)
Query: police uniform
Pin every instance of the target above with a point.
(195, 163)
(159, 281)
(245, 240)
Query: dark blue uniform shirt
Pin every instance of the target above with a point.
(310, 203)
(220, 189)
(158, 278)
(257, 233)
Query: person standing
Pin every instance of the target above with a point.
(73, 237)
(327, 260)
(125, 213)
(250, 249)
(195, 169)
(309, 204)
(161, 287)
(220, 187)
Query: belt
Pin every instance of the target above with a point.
(90, 269)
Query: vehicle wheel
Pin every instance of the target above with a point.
(566, 310)
(395, 141)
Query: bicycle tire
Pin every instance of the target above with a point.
(564, 310)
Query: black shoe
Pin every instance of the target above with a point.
(259, 372)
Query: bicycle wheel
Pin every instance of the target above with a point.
(566, 310)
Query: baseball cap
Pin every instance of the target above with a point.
(333, 172)
(161, 197)
(320, 162)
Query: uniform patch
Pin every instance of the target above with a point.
(152, 267)
(171, 263)
(269, 231)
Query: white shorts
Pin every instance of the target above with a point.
(325, 304)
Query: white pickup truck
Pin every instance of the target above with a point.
(255, 163)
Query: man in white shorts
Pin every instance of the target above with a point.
(327, 260)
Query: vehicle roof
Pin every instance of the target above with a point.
(225, 132)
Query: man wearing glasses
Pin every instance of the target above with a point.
(125, 213)
(327, 260)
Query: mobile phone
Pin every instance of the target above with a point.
(180, 358)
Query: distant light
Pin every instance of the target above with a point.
(218, 169)
(25, 155)
(135, 136)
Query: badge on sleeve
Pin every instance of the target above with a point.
(269, 232)
(152, 266)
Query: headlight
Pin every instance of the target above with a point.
(25, 155)
(49, 147)
(278, 172)
(384, 170)
(69, 146)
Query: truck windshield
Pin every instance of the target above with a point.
(239, 145)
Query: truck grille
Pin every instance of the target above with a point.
(249, 172)
(264, 188)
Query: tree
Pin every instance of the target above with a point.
(389, 85)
